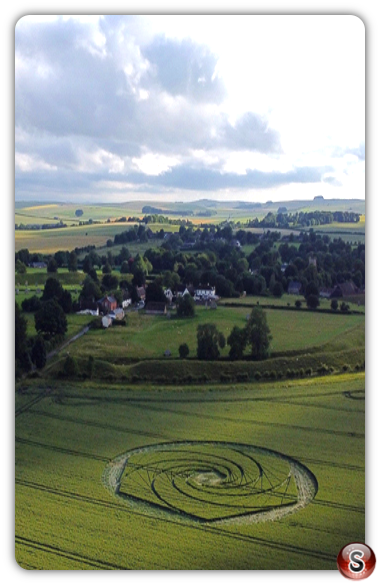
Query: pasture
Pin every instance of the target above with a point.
(147, 336)
(190, 442)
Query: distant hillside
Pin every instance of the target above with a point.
(215, 211)
(318, 203)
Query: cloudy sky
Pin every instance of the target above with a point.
(118, 108)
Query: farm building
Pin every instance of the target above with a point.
(182, 290)
(156, 309)
(325, 293)
(38, 265)
(205, 292)
(106, 321)
(116, 314)
(294, 287)
(94, 313)
(127, 300)
(235, 243)
(141, 292)
(107, 303)
(346, 289)
(169, 295)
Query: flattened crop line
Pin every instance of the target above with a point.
(330, 463)
(314, 405)
(276, 545)
(203, 397)
(254, 422)
(222, 532)
(34, 400)
(70, 495)
(61, 449)
(97, 563)
(89, 423)
(357, 509)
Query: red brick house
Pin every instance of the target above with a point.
(107, 303)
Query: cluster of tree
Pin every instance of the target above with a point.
(256, 334)
(123, 219)
(61, 259)
(28, 351)
(131, 235)
(315, 261)
(40, 226)
(300, 219)
(156, 211)
(50, 321)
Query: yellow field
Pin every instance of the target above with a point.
(50, 241)
(46, 206)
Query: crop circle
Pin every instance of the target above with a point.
(210, 482)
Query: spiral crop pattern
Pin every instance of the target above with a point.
(211, 482)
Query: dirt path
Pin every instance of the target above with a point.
(74, 338)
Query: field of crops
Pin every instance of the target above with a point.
(171, 449)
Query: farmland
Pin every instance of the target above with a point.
(130, 457)
(105, 224)
(148, 336)
(66, 519)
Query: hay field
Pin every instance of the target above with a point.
(66, 437)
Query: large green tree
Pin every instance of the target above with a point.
(20, 333)
(52, 289)
(72, 263)
(258, 334)
(186, 306)
(38, 354)
(237, 340)
(155, 293)
(209, 340)
(90, 290)
(50, 320)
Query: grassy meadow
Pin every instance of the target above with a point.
(147, 336)
(66, 435)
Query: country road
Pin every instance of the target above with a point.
(74, 338)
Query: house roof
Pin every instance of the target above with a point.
(294, 285)
(200, 287)
(181, 288)
(108, 298)
(347, 288)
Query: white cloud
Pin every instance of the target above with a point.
(27, 163)
(189, 102)
(98, 161)
(154, 164)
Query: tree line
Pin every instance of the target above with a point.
(272, 264)
(302, 219)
